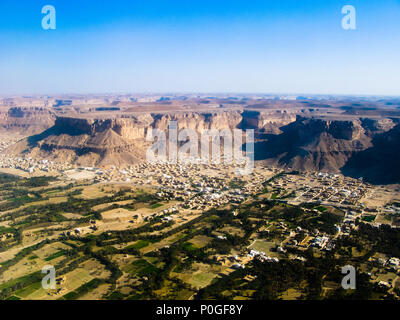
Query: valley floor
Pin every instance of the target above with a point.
(197, 233)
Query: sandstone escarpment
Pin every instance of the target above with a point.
(380, 162)
(118, 140)
(92, 141)
(25, 121)
(285, 139)
(268, 121)
(316, 144)
(199, 121)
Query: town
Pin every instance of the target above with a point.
(185, 193)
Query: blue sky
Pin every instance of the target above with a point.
(286, 46)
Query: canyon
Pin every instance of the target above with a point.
(357, 139)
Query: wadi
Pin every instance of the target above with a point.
(337, 136)
(79, 194)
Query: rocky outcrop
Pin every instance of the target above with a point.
(374, 126)
(119, 140)
(198, 121)
(291, 139)
(318, 144)
(126, 128)
(93, 141)
(378, 164)
(25, 121)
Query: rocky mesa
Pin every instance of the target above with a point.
(298, 139)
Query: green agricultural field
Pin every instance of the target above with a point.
(138, 245)
(200, 241)
(56, 255)
(141, 268)
(124, 250)
(264, 246)
(369, 218)
(321, 208)
(156, 205)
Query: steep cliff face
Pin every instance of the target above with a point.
(127, 128)
(25, 121)
(115, 141)
(198, 121)
(357, 147)
(267, 122)
(92, 141)
(316, 144)
(271, 122)
(379, 163)
(374, 126)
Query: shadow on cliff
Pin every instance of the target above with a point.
(379, 164)
(55, 130)
(288, 144)
(249, 120)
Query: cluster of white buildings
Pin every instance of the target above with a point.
(31, 165)
(255, 254)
